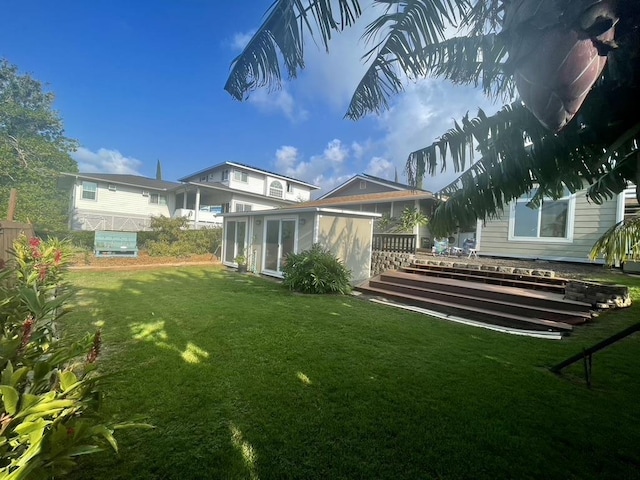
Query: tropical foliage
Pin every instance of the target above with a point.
(49, 386)
(316, 270)
(33, 150)
(578, 128)
(170, 237)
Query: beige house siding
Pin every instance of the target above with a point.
(349, 238)
(590, 222)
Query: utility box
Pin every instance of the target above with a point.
(116, 244)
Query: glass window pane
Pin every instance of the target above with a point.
(275, 189)
(288, 237)
(229, 244)
(525, 221)
(553, 221)
(240, 237)
(271, 245)
(89, 190)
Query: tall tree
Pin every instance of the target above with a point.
(33, 150)
(158, 171)
(575, 65)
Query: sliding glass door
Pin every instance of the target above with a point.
(280, 238)
(235, 240)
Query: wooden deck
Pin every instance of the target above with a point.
(509, 300)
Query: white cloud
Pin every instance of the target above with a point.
(336, 153)
(286, 157)
(105, 161)
(420, 115)
(325, 170)
(381, 167)
(240, 40)
(279, 101)
(358, 149)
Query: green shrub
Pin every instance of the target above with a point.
(316, 271)
(171, 238)
(49, 387)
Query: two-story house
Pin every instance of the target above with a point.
(101, 201)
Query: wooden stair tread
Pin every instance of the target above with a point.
(536, 294)
(454, 306)
(492, 273)
(479, 278)
(566, 313)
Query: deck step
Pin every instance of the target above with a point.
(530, 282)
(531, 298)
(454, 307)
(496, 304)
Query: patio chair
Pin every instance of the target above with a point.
(441, 247)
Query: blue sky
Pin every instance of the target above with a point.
(138, 81)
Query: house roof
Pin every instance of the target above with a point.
(122, 179)
(254, 169)
(397, 196)
(373, 179)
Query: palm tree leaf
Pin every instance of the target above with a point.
(620, 243)
(409, 26)
(282, 33)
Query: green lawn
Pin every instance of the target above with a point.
(243, 379)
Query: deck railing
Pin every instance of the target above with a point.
(394, 242)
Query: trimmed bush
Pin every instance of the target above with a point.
(316, 270)
(171, 238)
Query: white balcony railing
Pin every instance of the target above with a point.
(204, 218)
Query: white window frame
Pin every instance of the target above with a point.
(240, 176)
(145, 193)
(243, 207)
(289, 187)
(225, 175)
(160, 200)
(95, 191)
(111, 187)
(278, 189)
(571, 213)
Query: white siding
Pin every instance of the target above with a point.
(590, 222)
(123, 209)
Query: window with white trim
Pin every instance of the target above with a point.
(289, 188)
(243, 207)
(112, 187)
(157, 199)
(240, 176)
(275, 189)
(552, 220)
(225, 175)
(89, 190)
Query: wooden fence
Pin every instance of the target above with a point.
(394, 242)
(9, 231)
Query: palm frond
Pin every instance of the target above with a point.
(518, 154)
(459, 143)
(485, 16)
(282, 35)
(409, 26)
(620, 243)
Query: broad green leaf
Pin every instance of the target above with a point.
(10, 398)
(68, 380)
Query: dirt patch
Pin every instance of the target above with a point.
(142, 261)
